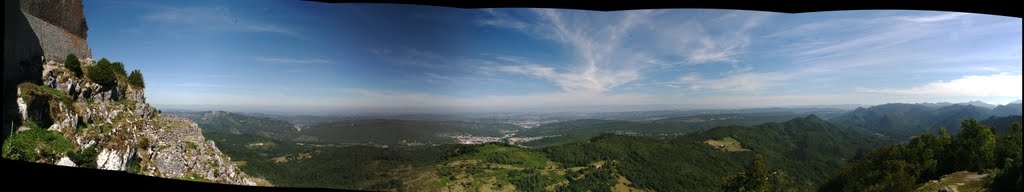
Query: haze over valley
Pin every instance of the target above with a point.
(393, 97)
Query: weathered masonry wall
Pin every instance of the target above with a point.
(59, 25)
(57, 42)
(66, 14)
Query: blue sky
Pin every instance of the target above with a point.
(315, 57)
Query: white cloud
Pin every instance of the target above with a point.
(606, 55)
(839, 45)
(972, 85)
(612, 49)
(725, 46)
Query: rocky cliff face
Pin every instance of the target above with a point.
(72, 121)
(181, 151)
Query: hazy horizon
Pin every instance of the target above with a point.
(307, 57)
(467, 110)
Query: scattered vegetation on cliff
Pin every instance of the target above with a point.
(72, 63)
(102, 73)
(135, 79)
(35, 144)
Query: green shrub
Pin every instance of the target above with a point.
(85, 158)
(34, 144)
(103, 73)
(135, 79)
(72, 63)
(119, 69)
(135, 165)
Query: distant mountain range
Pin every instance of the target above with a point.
(901, 120)
(974, 103)
(228, 122)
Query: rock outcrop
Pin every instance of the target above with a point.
(180, 151)
(111, 128)
(35, 31)
(55, 116)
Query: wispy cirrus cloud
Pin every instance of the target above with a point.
(612, 49)
(435, 76)
(212, 18)
(412, 57)
(841, 44)
(745, 82)
(497, 19)
(278, 60)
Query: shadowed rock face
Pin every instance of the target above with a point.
(22, 62)
(34, 29)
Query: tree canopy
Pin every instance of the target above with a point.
(103, 73)
(72, 63)
(135, 79)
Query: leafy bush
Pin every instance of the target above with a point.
(135, 79)
(103, 73)
(72, 63)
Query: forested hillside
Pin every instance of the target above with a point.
(904, 167)
(805, 149)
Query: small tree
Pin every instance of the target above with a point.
(975, 146)
(119, 69)
(72, 63)
(103, 73)
(754, 178)
(135, 79)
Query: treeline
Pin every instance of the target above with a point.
(902, 167)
